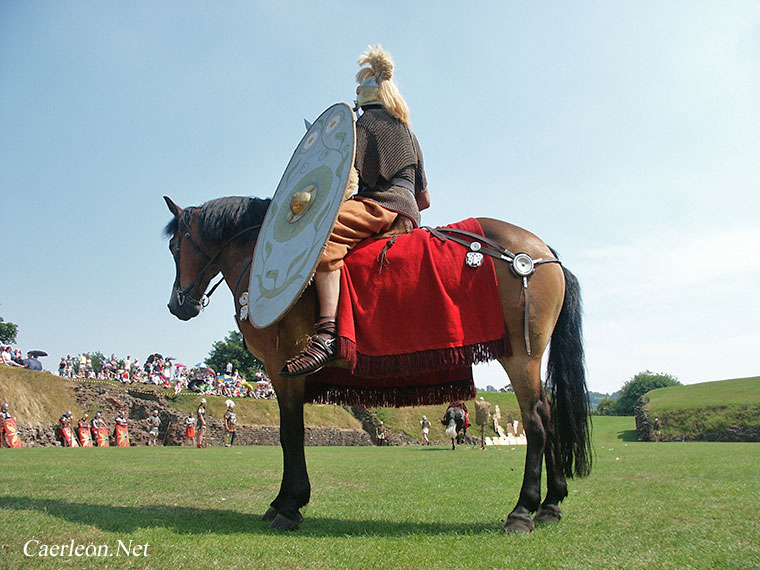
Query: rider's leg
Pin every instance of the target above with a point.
(357, 220)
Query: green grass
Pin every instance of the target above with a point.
(698, 410)
(679, 505)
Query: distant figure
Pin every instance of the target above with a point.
(425, 425)
(201, 422)
(8, 430)
(482, 411)
(230, 423)
(380, 434)
(6, 356)
(121, 432)
(99, 430)
(153, 422)
(83, 431)
(657, 429)
(189, 430)
(32, 363)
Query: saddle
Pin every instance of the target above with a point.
(413, 318)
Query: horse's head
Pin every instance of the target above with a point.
(195, 267)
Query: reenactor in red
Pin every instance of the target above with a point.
(100, 430)
(83, 431)
(65, 431)
(121, 432)
(8, 429)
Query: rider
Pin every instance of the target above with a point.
(392, 184)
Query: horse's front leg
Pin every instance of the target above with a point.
(295, 489)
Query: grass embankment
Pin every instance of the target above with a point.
(40, 398)
(644, 506)
(696, 409)
(37, 397)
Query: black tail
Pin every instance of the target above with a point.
(566, 384)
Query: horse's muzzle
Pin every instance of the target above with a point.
(183, 311)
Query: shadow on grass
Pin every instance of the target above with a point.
(188, 520)
(628, 435)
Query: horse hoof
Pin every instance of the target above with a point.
(281, 523)
(548, 514)
(270, 515)
(518, 525)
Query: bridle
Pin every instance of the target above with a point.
(182, 293)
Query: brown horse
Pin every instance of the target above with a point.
(219, 236)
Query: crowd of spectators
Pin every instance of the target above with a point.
(156, 370)
(10, 356)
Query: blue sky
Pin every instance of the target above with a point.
(625, 134)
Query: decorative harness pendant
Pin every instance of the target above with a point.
(474, 258)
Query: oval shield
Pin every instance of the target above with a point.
(301, 216)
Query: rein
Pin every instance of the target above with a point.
(182, 293)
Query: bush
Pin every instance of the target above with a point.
(639, 385)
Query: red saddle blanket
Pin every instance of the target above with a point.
(413, 318)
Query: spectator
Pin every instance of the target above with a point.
(32, 363)
(7, 357)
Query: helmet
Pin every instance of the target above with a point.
(203, 400)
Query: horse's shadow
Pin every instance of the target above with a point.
(189, 520)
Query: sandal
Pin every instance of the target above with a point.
(320, 350)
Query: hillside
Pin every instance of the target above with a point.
(724, 410)
(40, 398)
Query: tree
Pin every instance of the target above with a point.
(606, 407)
(232, 349)
(8, 332)
(639, 385)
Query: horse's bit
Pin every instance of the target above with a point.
(182, 293)
(521, 265)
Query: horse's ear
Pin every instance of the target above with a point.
(173, 208)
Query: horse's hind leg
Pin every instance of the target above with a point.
(556, 483)
(524, 374)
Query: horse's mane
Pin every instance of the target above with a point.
(222, 218)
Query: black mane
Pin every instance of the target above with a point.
(222, 218)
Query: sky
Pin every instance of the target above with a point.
(625, 134)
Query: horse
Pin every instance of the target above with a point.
(219, 237)
(453, 419)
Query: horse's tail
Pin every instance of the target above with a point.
(566, 383)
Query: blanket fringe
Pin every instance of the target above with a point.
(393, 397)
(404, 365)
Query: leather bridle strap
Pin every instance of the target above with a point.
(204, 300)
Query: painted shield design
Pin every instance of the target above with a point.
(85, 438)
(301, 216)
(122, 436)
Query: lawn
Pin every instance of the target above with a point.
(645, 505)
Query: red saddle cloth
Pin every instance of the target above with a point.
(412, 320)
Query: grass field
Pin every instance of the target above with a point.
(677, 505)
